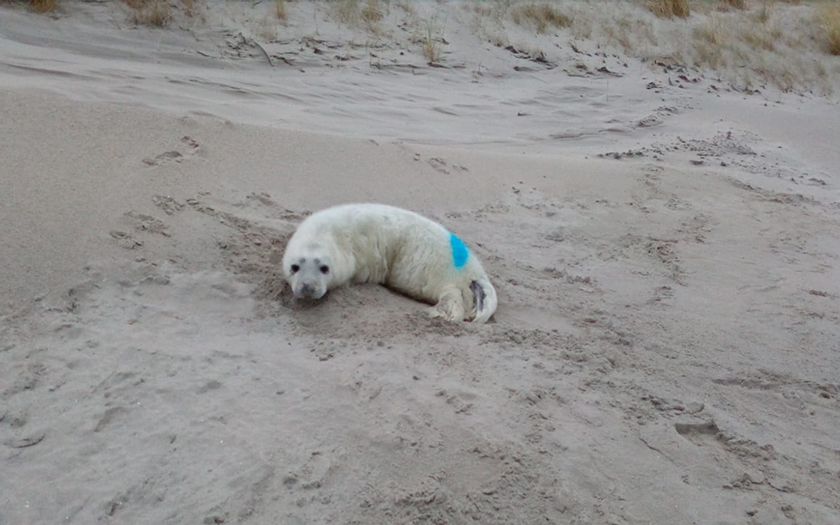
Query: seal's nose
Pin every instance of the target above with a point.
(307, 290)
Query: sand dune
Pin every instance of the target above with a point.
(664, 240)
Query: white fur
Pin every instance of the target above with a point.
(375, 243)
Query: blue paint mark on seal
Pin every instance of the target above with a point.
(460, 253)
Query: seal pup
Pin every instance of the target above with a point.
(401, 249)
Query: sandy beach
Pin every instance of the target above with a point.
(658, 209)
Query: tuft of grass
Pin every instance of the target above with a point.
(711, 32)
(431, 47)
(762, 37)
(280, 9)
(829, 18)
(733, 4)
(350, 12)
(371, 12)
(629, 33)
(157, 13)
(407, 7)
(765, 12)
(542, 16)
(43, 6)
(710, 38)
(431, 51)
(265, 28)
(670, 8)
(191, 8)
(432, 40)
(346, 11)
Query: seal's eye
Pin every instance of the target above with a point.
(325, 269)
(295, 268)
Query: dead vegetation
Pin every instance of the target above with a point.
(710, 37)
(669, 8)
(356, 13)
(732, 4)
(427, 32)
(407, 7)
(763, 45)
(764, 12)
(156, 13)
(43, 6)
(542, 16)
(191, 8)
(159, 13)
(372, 12)
(37, 6)
(431, 49)
(828, 19)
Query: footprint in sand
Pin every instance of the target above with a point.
(109, 415)
(141, 223)
(163, 157)
(441, 165)
(698, 433)
(167, 204)
(147, 223)
(191, 147)
(125, 240)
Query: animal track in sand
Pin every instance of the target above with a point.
(146, 223)
(191, 147)
(788, 386)
(311, 475)
(724, 148)
(697, 433)
(704, 433)
(109, 415)
(461, 402)
(440, 165)
(125, 240)
(167, 204)
(142, 223)
(163, 157)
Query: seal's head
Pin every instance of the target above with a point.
(309, 276)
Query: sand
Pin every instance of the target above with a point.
(666, 253)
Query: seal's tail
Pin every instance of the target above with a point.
(485, 299)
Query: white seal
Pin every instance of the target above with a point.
(375, 243)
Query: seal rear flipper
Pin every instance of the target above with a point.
(479, 295)
(485, 299)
